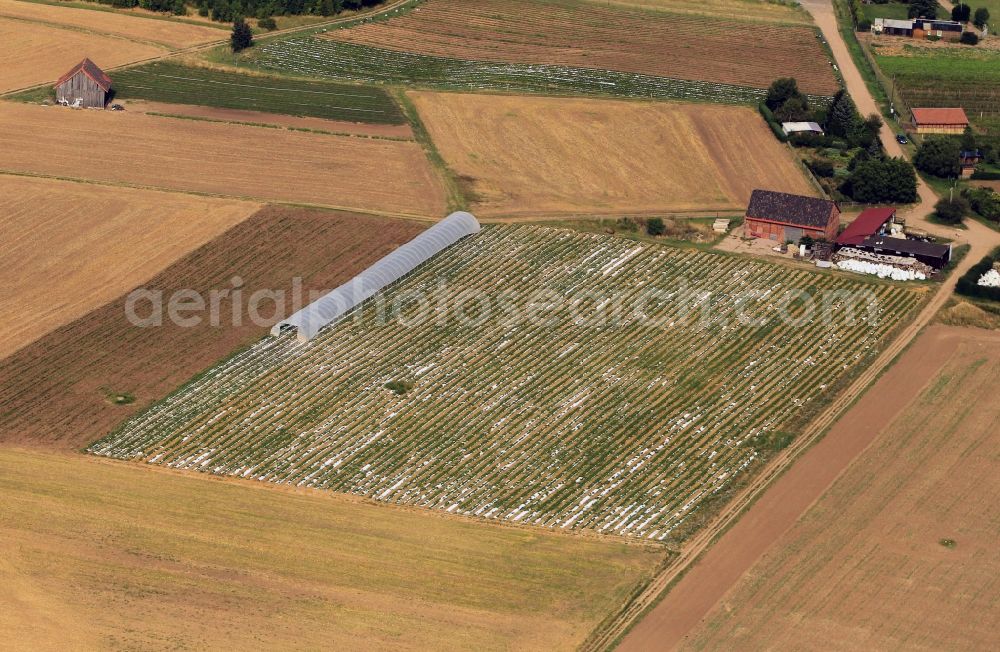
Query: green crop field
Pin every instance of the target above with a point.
(929, 77)
(594, 382)
(559, 46)
(179, 84)
(323, 58)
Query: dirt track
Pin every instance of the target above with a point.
(646, 635)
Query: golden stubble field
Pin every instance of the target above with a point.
(901, 553)
(526, 155)
(36, 53)
(71, 247)
(226, 159)
(156, 30)
(99, 555)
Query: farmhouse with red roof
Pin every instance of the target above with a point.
(940, 121)
(85, 85)
(783, 217)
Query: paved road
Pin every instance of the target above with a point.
(695, 593)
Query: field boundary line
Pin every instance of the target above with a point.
(82, 30)
(210, 195)
(609, 638)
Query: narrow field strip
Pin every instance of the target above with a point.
(327, 59)
(176, 83)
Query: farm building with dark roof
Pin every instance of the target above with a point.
(784, 217)
(85, 85)
(929, 253)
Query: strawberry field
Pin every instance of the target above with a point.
(536, 376)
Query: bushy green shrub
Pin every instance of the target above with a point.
(951, 211)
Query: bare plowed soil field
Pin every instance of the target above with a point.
(587, 35)
(560, 155)
(901, 552)
(35, 53)
(98, 556)
(60, 390)
(71, 247)
(761, 10)
(224, 159)
(134, 27)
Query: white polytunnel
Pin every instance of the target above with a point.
(331, 307)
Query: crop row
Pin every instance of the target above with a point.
(323, 58)
(617, 425)
(179, 84)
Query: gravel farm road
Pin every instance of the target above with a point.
(715, 558)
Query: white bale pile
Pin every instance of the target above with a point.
(990, 279)
(881, 270)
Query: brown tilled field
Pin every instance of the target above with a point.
(225, 159)
(588, 35)
(762, 10)
(901, 552)
(36, 53)
(59, 391)
(72, 247)
(135, 27)
(530, 155)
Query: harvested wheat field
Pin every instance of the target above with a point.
(134, 27)
(561, 155)
(71, 247)
(98, 555)
(36, 53)
(901, 552)
(216, 158)
(60, 391)
(588, 35)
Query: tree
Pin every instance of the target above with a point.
(781, 91)
(969, 38)
(878, 181)
(968, 141)
(951, 211)
(981, 17)
(794, 109)
(842, 116)
(960, 13)
(655, 226)
(938, 156)
(923, 9)
(242, 36)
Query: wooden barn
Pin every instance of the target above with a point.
(939, 121)
(85, 85)
(783, 217)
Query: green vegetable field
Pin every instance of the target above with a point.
(180, 84)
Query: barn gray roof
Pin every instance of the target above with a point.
(90, 69)
(789, 209)
(385, 271)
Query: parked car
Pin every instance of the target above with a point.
(901, 139)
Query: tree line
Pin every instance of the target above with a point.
(872, 176)
(229, 10)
